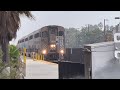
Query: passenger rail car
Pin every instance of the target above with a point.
(48, 41)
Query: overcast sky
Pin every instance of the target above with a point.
(66, 19)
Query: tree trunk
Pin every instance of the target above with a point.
(5, 49)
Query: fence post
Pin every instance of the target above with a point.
(38, 57)
(88, 62)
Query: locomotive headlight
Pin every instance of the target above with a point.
(52, 46)
(62, 51)
(44, 51)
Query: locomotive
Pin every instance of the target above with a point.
(48, 41)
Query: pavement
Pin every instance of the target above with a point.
(41, 69)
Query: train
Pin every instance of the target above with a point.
(48, 41)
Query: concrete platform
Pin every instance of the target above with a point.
(41, 70)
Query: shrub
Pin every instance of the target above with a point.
(14, 64)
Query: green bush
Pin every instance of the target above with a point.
(14, 64)
(14, 53)
(3, 75)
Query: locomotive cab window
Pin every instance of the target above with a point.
(26, 39)
(44, 34)
(52, 31)
(61, 33)
(36, 35)
(40, 34)
(23, 40)
(31, 37)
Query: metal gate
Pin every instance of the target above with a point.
(73, 65)
(74, 55)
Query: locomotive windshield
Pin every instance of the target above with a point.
(26, 39)
(61, 33)
(44, 34)
(53, 30)
(36, 35)
(31, 37)
(40, 34)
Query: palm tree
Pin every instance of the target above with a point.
(9, 24)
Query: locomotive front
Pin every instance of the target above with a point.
(56, 43)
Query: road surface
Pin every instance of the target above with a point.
(41, 70)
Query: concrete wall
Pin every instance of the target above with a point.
(102, 61)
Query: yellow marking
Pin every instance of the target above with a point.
(43, 57)
(38, 57)
(24, 56)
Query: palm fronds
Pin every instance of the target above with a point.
(10, 23)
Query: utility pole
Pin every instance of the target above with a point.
(88, 27)
(104, 31)
(76, 38)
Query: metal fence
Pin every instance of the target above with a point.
(74, 55)
(73, 65)
(71, 70)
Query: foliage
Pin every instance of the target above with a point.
(14, 65)
(89, 37)
(70, 37)
(75, 38)
(14, 52)
(9, 24)
(3, 75)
